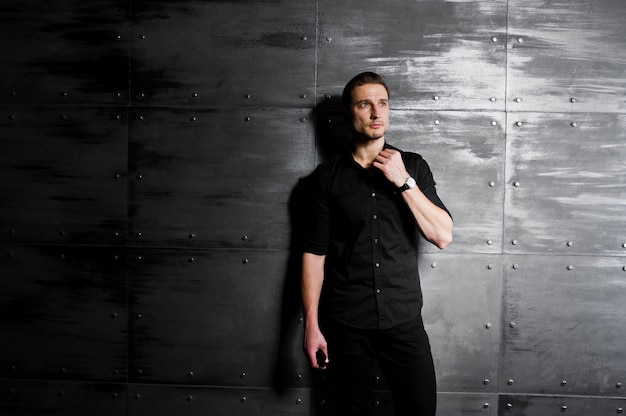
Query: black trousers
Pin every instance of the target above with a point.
(403, 354)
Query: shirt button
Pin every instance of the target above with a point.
(375, 216)
(377, 264)
(373, 194)
(376, 241)
(377, 291)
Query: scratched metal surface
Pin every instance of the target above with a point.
(461, 313)
(208, 317)
(465, 152)
(36, 397)
(521, 405)
(64, 51)
(216, 181)
(63, 313)
(453, 50)
(194, 401)
(563, 325)
(559, 51)
(64, 174)
(571, 184)
(223, 53)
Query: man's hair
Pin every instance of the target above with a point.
(361, 79)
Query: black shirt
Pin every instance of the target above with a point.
(359, 220)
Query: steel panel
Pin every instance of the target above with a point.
(434, 54)
(64, 52)
(553, 406)
(563, 322)
(201, 401)
(465, 152)
(227, 52)
(559, 51)
(207, 317)
(566, 185)
(216, 178)
(462, 296)
(64, 175)
(63, 313)
(35, 398)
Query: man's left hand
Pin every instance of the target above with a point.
(390, 162)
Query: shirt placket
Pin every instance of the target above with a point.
(376, 251)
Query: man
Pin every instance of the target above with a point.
(360, 285)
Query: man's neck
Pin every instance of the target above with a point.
(364, 152)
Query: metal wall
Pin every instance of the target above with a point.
(150, 153)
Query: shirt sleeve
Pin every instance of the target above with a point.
(315, 218)
(419, 169)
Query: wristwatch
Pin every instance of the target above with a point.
(409, 184)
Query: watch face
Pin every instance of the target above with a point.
(410, 183)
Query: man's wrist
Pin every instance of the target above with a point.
(408, 184)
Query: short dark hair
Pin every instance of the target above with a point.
(362, 79)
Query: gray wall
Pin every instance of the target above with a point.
(150, 154)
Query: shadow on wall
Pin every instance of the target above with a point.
(332, 136)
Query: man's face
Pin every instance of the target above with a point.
(370, 111)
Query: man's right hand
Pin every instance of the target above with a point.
(316, 348)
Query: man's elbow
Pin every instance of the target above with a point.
(444, 241)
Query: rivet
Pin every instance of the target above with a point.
(64, 94)
(114, 395)
(437, 122)
(115, 372)
(570, 243)
(510, 382)
(492, 184)
(118, 117)
(494, 39)
(63, 117)
(137, 396)
(142, 36)
(490, 266)
(194, 94)
(489, 242)
(520, 40)
(377, 403)
(113, 315)
(518, 100)
(191, 236)
(494, 123)
(303, 96)
(486, 405)
(189, 398)
(243, 399)
(139, 177)
(564, 383)
(247, 119)
(138, 234)
(509, 406)
(192, 118)
(138, 315)
(519, 124)
(624, 245)
(328, 39)
(488, 326)
(11, 117)
(245, 261)
(190, 260)
(244, 238)
(433, 265)
(620, 410)
(139, 372)
(142, 95)
(328, 96)
(563, 408)
(516, 184)
(242, 375)
(60, 394)
(300, 320)
(302, 119)
(618, 385)
(486, 381)
(514, 242)
(298, 401)
(190, 374)
(516, 266)
(139, 258)
(436, 98)
(574, 124)
(492, 99)
(139, 117)
(303, 37)
(299, 377)
(570, 267)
